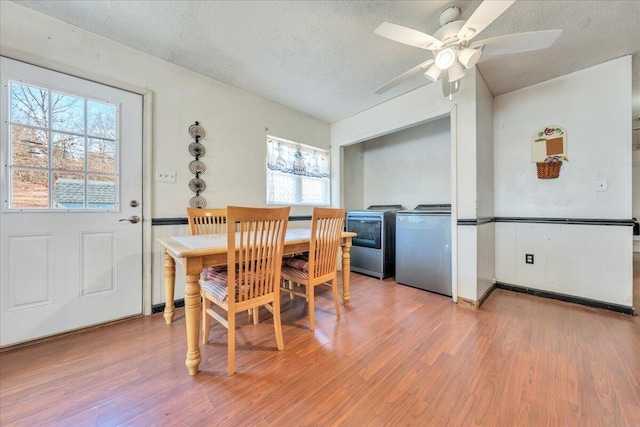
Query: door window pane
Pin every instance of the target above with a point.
(101, 192)
(29, 105)
(68, 190)
(68, 152)
(102, 155)
(67, 113)
(29, 147)
(30, 188)
(63, 150)
(101, 119)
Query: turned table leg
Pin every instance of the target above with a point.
(192, 309)
(169, 287)
(346, 271)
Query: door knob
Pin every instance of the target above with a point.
(132, 219)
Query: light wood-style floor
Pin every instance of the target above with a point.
(397, 356)
(636, 282)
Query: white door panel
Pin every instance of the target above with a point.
(64, 267)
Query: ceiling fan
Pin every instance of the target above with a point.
(452, 46)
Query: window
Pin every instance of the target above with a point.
(297, 174)
(62, 152)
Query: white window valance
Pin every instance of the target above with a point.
(296, 159)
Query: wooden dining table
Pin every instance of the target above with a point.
(195, 252)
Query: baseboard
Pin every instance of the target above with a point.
(469, 303)
(567, 298)
(486, 294)
(159, 308)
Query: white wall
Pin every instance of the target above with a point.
(353, 177)
(484, 149)
(409, 167)
(596, 117)
(635, 210)
(586, 261)
(235, 121)
(486, 258)
(485, 252)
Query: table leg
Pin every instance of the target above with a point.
(192, 309)
(346, 271)
(169, 287)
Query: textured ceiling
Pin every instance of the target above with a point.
(322, 57)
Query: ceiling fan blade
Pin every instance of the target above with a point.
(407, 36)
(485, 14)
(402, 77)
(516, 43)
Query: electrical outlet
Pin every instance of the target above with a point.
(528, 258)
(165, 176)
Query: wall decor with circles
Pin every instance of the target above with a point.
(196, 167)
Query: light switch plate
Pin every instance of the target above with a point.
(165, 176)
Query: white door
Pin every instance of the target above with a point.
(71, 154)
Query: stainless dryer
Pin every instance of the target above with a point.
(373, 249)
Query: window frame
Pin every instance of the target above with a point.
(50, 169)
(298, 180)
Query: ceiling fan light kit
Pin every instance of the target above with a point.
(469, 57)
(451, 45)
(433, 73)
(445, 58)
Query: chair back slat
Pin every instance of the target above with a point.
(326, 230)
(256, 250)
(207, 221)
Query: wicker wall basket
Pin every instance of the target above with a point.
(548, 170)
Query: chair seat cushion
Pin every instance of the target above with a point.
(215, 281)
(209, 273)
(300, 263)
(294, 272)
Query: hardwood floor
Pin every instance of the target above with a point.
(397, 356)
(636, 282)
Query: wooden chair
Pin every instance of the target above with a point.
(254, 260)
(321, 267)
(207, 221)
(210, 221)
